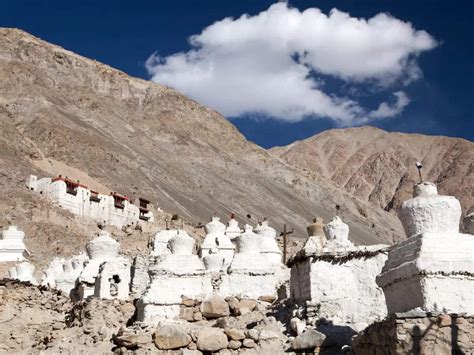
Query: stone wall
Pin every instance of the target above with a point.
(418, 333)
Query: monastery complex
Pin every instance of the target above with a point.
(113, 209)
(331, 288)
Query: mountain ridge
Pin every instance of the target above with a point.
(359, 154)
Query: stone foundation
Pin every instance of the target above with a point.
(418, 333)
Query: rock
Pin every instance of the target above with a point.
(190, 352)
(266, 334)
(211, 339)
(249, 343)
(444, 320)
(223, 323)
(252, 334)
(235, 334)
(234, 344)
(308, 340)
(192, 346)
(170, 337)
(245, 306)
(127, 308)
(267, 298)
(297, 325)
(215, 307)
(233, 304)
(197, 316)
(188, 302)
(187, 314)
(131, 341)
(58, 326)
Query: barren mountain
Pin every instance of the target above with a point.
(379, 167)
(61, 113)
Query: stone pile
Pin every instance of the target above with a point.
(223, 325)
(29, 316)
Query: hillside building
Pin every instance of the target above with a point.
(113, 209)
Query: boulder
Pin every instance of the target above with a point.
(234, 344)
(187, 313)
(235, 334)
(212, 339)
(188, 302)
(252, 334)
(245, 306)
(233, 304)
(267, 298)
(308, 340)
(249, 343)
(215, 307)
(170, 337)
(131, 341)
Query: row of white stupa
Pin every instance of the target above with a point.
(102, 272)
(432, 270)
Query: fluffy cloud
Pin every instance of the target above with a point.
(274, 63)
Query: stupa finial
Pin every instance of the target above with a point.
(419, 166)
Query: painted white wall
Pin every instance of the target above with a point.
(12, 247)
(80, 204)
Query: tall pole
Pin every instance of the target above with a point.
(284, 243)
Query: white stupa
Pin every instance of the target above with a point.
(432, 270)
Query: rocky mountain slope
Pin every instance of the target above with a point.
(65, 114)
(378, 167)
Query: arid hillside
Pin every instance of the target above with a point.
(61, 113)
(379, 167)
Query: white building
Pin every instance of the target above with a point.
(113, 209)
(12, 247)
(337, 279)
(432, 270)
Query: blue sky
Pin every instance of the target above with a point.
(276, 82)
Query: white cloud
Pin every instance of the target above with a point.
(272, 63)
(384, 110)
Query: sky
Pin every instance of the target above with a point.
(283, 71)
